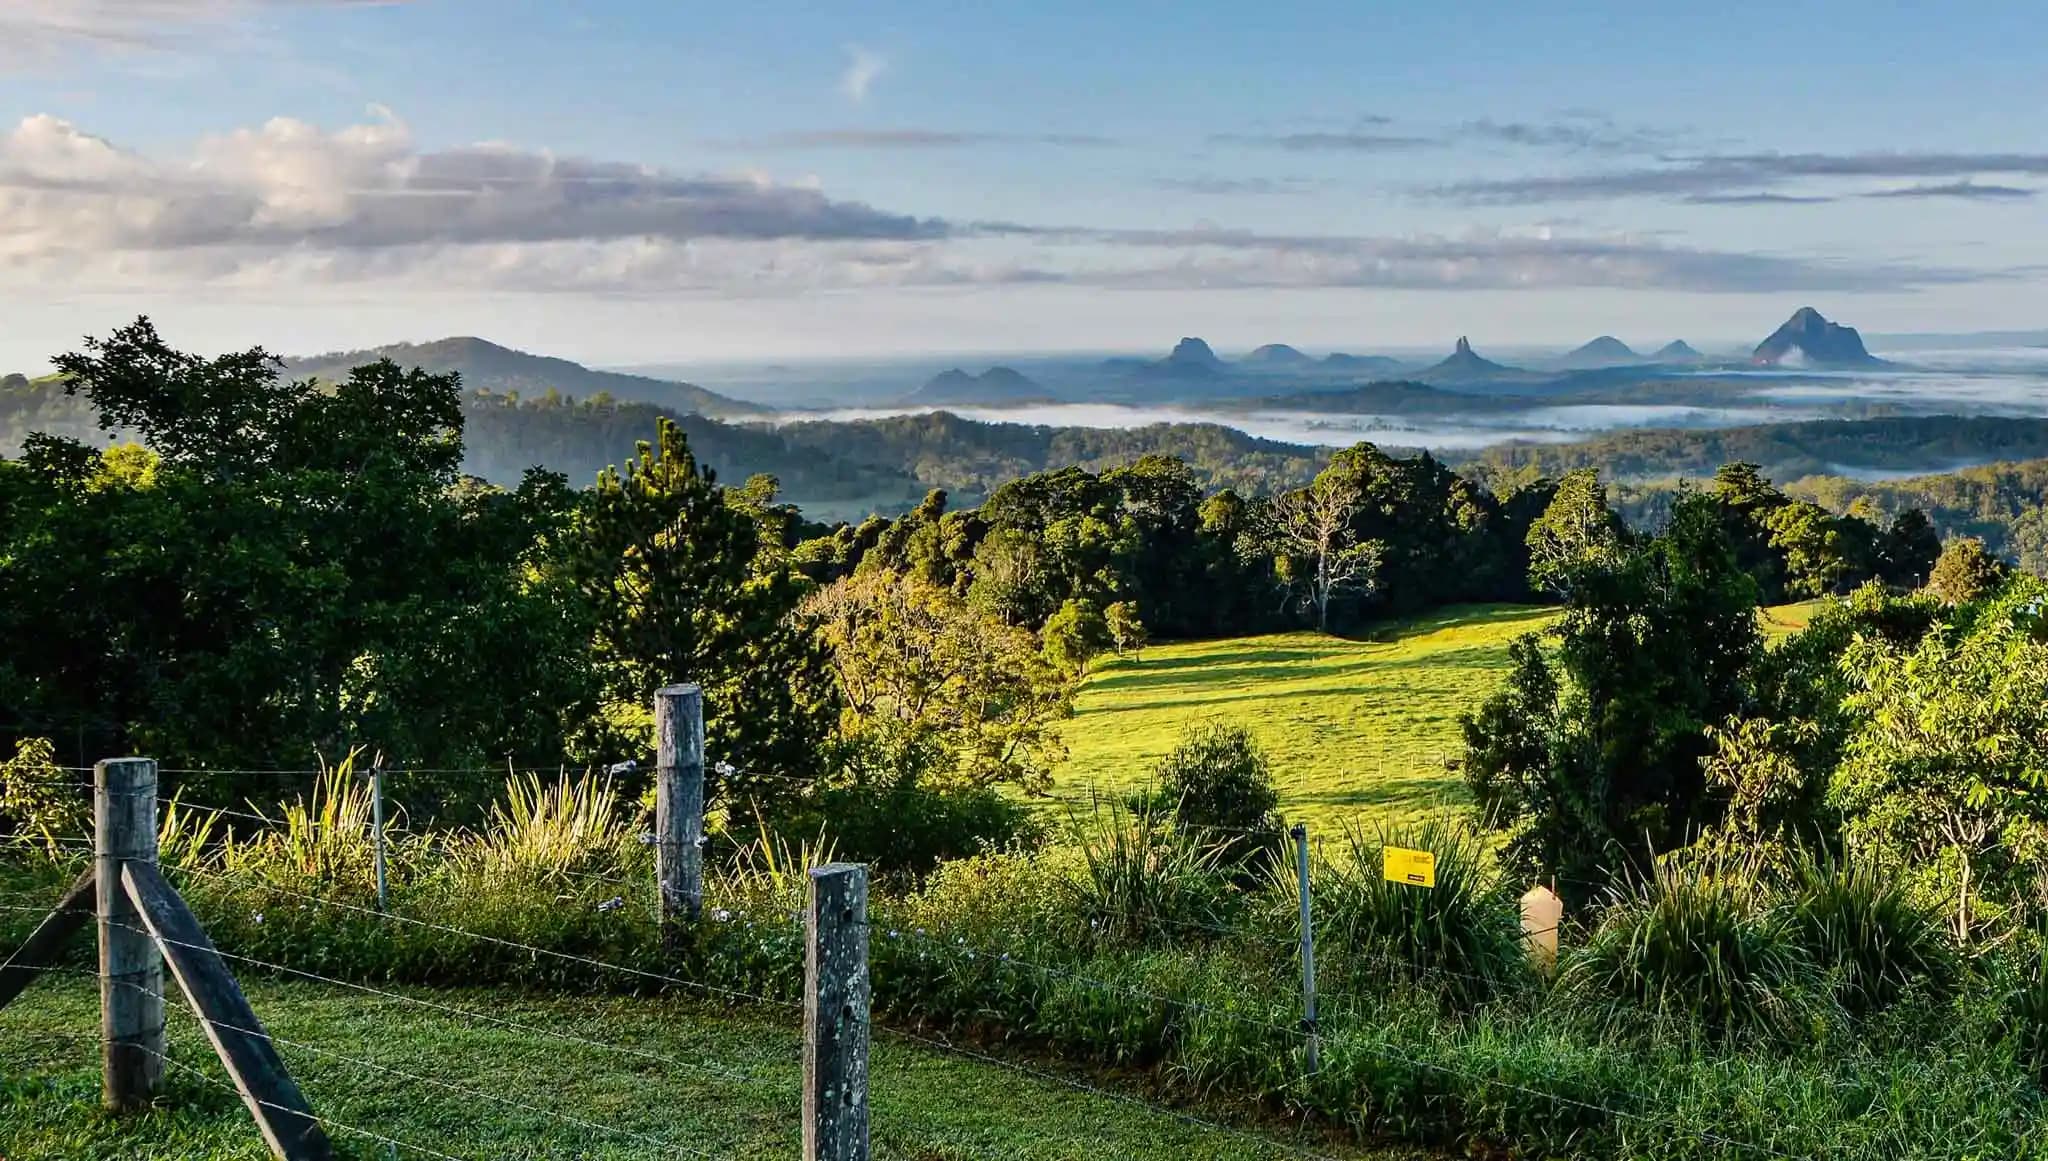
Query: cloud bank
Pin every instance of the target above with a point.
(288, 204)
(1725, 176)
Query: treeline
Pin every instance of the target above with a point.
(2004, 504)
(971, 459)
(832, 467)
(1371, 535)
(1784, 451)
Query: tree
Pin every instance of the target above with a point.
(1127, 634)
(1909, 549)
(1075, 636)
(291, 569)
(1591, 761)
(1316, 549)
(1965, 572)
(1746, 500)
(1818, 549)
(1946, 778)
(937, 691)
(1576, 531)
(664, 565)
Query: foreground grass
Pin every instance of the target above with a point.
(1354, 729)
(928, 1105)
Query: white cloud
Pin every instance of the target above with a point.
(863, 66)
(290, 204)
(35, 31)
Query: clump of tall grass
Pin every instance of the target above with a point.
(1700, 942)
(547, 832)
(1143, 880)
(1463, 936)
(771, 875)
(322, 838)
(1866, 932)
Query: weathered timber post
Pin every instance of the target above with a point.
(131, 966)
(836, 1000)
(1308, 952)
(679, 803)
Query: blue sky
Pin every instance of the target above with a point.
(645, 181)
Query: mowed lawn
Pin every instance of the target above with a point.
(618, 1080)
(1355, 730)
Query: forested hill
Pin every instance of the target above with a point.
(486, 366)
(833, 470)
(2003, 504)
(1785, 451)
(971, 458)
(503, 436)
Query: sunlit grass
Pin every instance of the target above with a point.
(1359, 730)
(1356, 730)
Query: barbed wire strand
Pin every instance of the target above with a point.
(570, 957)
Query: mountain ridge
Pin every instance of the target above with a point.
(488, 366)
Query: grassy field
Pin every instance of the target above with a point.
(1354, 729)
(928, 1105)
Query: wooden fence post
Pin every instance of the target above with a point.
(679, 803)
(836, 1015)
(131, 966)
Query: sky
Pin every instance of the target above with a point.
(638, 181)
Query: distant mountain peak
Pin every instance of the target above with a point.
(1191, 359)
(1677, 351)
(997, 385)
(1810, 336)
(1465, 363)
(1605, 351)
(1277, 354)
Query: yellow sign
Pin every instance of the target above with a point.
(1401, 865)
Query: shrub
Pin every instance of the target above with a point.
(1700, 942)
(1463, 936)
(36, 803)
(1220, 790)
(915, 829)
(1863, 929)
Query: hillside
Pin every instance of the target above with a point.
(503, 437)
(970, 458)
(1371, 364)
(996, 386)
(1786, 451)
(1355, 730)
(2004, 504)
(486, 366)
